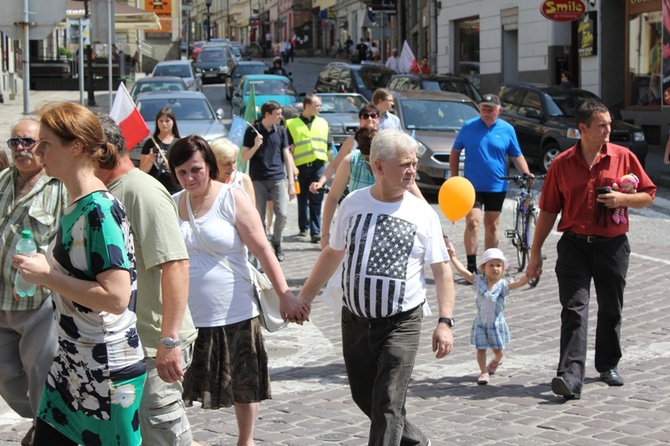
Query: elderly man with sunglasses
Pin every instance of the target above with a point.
(29, 199)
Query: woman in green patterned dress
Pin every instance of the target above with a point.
(94, 387)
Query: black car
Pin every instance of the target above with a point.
(544, 120)
(434, 82)
(340, 77)
(242, 68)
(215, 61)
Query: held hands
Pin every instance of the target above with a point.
(258, 141)
(295, 309)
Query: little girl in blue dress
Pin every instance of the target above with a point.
(489, 329)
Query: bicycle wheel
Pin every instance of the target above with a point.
(531, 221)
(519, 238)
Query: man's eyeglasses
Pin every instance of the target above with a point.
(369, 115)
(27, 143)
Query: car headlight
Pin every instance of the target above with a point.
(573, 133)
(638, 136)
(422, 149)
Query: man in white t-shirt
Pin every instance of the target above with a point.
(384, 236)
(393, 62)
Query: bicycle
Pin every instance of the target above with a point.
(524, 220)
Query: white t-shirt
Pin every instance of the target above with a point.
(386, 247)
(217, 295)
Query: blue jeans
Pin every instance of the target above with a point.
(309, 204)
(379, 356)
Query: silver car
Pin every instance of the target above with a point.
(181, 68)
(193, 113)
(434, 118)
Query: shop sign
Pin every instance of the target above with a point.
(563, 10)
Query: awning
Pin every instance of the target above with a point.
(126, 17)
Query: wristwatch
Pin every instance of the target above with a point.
(447, 320)
(169, 342)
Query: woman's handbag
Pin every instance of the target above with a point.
(264, 293)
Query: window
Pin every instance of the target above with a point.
(645, 31)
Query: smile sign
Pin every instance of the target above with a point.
(563, 10)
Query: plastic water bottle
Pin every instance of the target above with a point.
(413, 134)
(333, 148)
(26, 246)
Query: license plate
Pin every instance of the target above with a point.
(210, 75)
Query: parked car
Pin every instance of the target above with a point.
(243, 68)
(180, 68)
(157, 83)
(197, 46)
(216, 62)
(192, 110)
(339, 109)
(267, 87)
(340, 77)
(434, 118)
(434, 82)
(240, 51)
(544, 119)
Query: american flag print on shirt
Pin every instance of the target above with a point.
(374, 273)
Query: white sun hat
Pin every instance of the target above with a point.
(493, 253)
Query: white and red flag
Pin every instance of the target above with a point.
(128, 117)
(407, 59)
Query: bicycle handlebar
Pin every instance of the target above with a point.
(523, 180)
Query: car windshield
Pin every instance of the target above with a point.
(270, 87)
(440, 116)
(184, 109)
(565, 102)
(148, 87)
(236, 51)
(455, 85)
(212, 55)
(341, 104)
(372, 79)
(243, 70)
(180, 70)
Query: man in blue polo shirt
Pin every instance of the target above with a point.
(488, 141)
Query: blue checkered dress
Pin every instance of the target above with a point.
(489, 330)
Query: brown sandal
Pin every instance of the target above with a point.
(493, 366)
(483, 379)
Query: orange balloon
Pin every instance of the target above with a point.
(456, 198)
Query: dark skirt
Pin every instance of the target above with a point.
(230, 365)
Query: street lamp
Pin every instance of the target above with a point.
(208, 4)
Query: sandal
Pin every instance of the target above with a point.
(493, 366)
(483, 379)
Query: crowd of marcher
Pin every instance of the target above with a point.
(141, 310)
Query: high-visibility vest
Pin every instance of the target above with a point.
(310, 143)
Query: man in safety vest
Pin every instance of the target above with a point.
(308, 137)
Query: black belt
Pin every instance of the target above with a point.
(318, 163)
(593, 238)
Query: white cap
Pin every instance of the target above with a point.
(491, 254)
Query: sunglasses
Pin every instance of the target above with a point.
(27, 143)
(369, 115)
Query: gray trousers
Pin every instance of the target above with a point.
(379, 356)
(277, 191)
(163, 420)
(28, 342)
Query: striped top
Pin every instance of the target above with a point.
(40, 212)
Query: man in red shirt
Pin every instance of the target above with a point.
(592, 245)
(423, 68)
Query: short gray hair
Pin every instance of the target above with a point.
(29, 117)
(387, 143)
(113, 134)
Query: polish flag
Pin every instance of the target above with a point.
(127, 116)
(407, 59)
